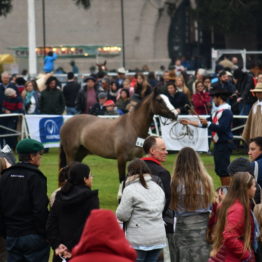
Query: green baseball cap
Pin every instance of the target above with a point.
(28, 145)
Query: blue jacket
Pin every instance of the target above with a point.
(49, 63)
(223, 128)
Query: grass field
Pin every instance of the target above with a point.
(106, 175)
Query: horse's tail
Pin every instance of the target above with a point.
(62, 157)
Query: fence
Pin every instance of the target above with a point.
(46, 128)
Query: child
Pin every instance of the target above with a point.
(110, 108)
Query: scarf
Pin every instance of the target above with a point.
(216, 116)
(29, 96)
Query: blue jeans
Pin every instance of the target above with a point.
(148, 256)
(29, 248)
(70, 110)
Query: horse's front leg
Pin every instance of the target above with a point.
(121, 162)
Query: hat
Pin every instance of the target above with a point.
(219, 91)
(109, 103)
(239, 165)
(28, 145)
(201, 71)
(121, 70)
(258, 88)
(90, 78)
(10, 91)
(228, 73)
(102, 95)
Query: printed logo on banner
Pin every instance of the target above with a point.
(50, 129)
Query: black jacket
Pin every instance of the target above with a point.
(23, 201)
(52, 102)
(80, 103)
(164, 175)
(68, 215)
(70, 92)
(97, 109)
(179, 100)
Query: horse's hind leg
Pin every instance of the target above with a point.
(80, 154)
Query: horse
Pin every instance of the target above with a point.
(102, 67)
(112, 138)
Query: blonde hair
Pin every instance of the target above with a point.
(191, 173)
(258, 215)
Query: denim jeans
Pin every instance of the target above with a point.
(29, 248)
(148, 256)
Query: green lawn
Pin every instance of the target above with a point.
(106, 175)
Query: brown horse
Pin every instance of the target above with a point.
(112, 138)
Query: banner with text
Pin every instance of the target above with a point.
(45, 128)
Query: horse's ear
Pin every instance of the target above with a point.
(156, 91)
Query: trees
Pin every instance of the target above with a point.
(229, 15)
(237, 20)
(6, 5)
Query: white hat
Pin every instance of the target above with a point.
(121, 70)
(229, 73)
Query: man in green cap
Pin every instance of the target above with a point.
(23, 205)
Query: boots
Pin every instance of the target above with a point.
(225, 180)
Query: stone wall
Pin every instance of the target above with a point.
(146, 30)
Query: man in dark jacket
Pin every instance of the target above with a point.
(155, 149)
(23, 205)
(52, 101)
(70, 92)
(87, 97)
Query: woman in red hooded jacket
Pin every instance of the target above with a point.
(103, 240)
(234, 230)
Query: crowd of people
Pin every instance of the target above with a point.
(179, 217)
(104, 94)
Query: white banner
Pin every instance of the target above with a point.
(178, 136)
(46, 128)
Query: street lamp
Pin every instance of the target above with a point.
(123, 35)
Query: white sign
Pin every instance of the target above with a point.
(178, 136)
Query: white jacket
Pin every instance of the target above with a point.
(142, 209)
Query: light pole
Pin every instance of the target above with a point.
(32, 65)
(123, 34)
(44, 33)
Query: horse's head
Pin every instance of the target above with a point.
(162, 106)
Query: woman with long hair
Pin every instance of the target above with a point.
(142, 87)
(141, 209)
(73, 204)
(181, 86)
(191, 198)
(235, 225)
(31, 96)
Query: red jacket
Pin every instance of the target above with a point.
(201, 102)
(103, 240)
(233, 233)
